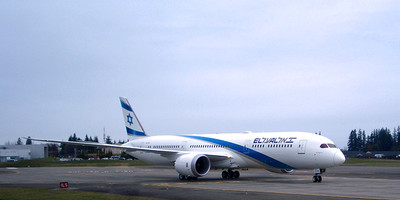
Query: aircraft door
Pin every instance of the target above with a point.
(184, 146)
(246, 147)
(302, 147)
(141, 145)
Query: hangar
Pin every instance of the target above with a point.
(23, 152)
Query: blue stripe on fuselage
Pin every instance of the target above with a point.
(245, 151)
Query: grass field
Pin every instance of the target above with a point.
(46, 194)
(373, 162)
(52, 162)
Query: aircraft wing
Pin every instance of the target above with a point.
(162, 152)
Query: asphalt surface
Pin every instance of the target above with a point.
(344, 182)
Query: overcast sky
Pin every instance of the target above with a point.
(198, 67)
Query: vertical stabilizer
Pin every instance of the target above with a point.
(132, 124)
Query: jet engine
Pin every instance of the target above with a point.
(281, 171)
(194, 165)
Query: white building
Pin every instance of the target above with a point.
(23, 152)
(7, 155)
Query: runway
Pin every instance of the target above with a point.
(344, 182)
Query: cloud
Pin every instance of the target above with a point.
(200, 66)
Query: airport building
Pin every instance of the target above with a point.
(23, 152)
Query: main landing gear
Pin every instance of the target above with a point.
(230, 174)
(317, 178)
(183, 177)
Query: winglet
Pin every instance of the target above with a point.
(132, 124)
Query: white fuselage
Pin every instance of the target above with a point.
(269, 150)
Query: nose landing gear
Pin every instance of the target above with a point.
(317, 178)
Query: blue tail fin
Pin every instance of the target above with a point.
(132, 124)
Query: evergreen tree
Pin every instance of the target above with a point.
(28, 141)
(395, 144)
(53, 150)
(69, 150)
(396, 138)
(361, 142)
(19, 142)
(109, 153)
(108, 140)
(352, 142)
(74, 138)
(385, 140)
(373, 141)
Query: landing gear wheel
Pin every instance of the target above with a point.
(317, 175)
(317, 178)
(236, 174)
(224, 174)
(182, 177)
(230, 174)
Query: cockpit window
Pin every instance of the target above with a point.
(323, 146)
(327, 146)
(332, 146)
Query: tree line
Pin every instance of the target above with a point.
(379, 140)
(85, 152)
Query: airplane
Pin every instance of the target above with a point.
(194, 155)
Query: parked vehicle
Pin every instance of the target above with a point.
(115, 157)
(379, 155)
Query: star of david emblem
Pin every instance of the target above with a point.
(129, 117)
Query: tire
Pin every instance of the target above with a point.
(181, 177)
(314, 179)
(230, 174)
(225, 175)
(319, 179)
(236, 174)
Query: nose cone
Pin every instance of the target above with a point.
(339, 158)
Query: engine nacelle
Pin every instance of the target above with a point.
(194, 165)
(281, 171)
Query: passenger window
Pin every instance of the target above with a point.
(323, 146)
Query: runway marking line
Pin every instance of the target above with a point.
(198, 183)
(14, 172)
(289, 193)
(244, 181)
